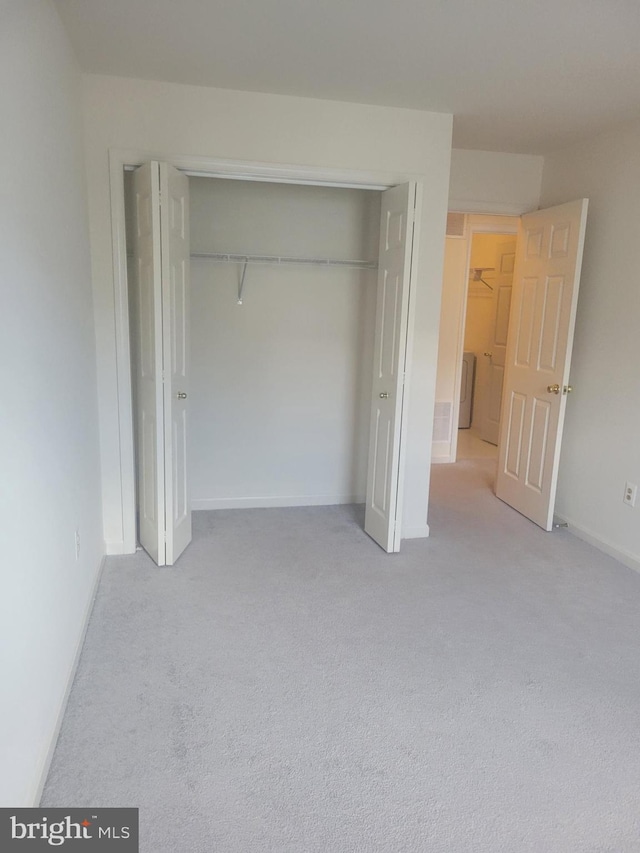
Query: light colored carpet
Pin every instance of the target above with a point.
(289, 688)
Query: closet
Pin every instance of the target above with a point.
(258, 319)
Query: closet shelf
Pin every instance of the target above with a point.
(225, 257)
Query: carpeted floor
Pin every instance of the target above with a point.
(289, 688)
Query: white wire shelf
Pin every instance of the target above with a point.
(226, 257)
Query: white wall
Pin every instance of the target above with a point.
(166, 119)
(601, 449)
(281, 386)
(50, 483)
(493, 182)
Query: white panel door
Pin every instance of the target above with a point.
(495, 356)
(174, 218)
(382, 513)
(146, 334)
(543, 312)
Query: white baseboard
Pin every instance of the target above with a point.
(441, 451)
(421, 532)
(118, 549)
(625, 557)
(46, 762)
(264, 502)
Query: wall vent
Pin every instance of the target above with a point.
(455, 224)
(442, 422)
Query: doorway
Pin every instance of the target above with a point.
(474, 317)
(532, 362)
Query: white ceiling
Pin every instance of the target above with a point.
(518, 76)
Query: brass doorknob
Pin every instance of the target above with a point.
(568, 389)
(553, 389)
(489, 354)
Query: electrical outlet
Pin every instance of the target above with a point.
(630, 492)
(77, 544)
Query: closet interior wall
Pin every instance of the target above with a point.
(281, 385)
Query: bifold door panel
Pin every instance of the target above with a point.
(382, 514)
(174, 188)
(160, 358)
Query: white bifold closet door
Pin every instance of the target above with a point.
(384, 480)
(160, 320)
(543, 315)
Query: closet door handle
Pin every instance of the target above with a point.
(384, 395)
(181, 395)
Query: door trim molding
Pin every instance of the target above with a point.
(494, 208)
(124, 159)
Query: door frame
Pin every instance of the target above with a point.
(489, 227)
(121, 160)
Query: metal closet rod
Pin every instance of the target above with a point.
(283, 259)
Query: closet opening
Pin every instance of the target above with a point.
(280, 384)
(281, 327)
